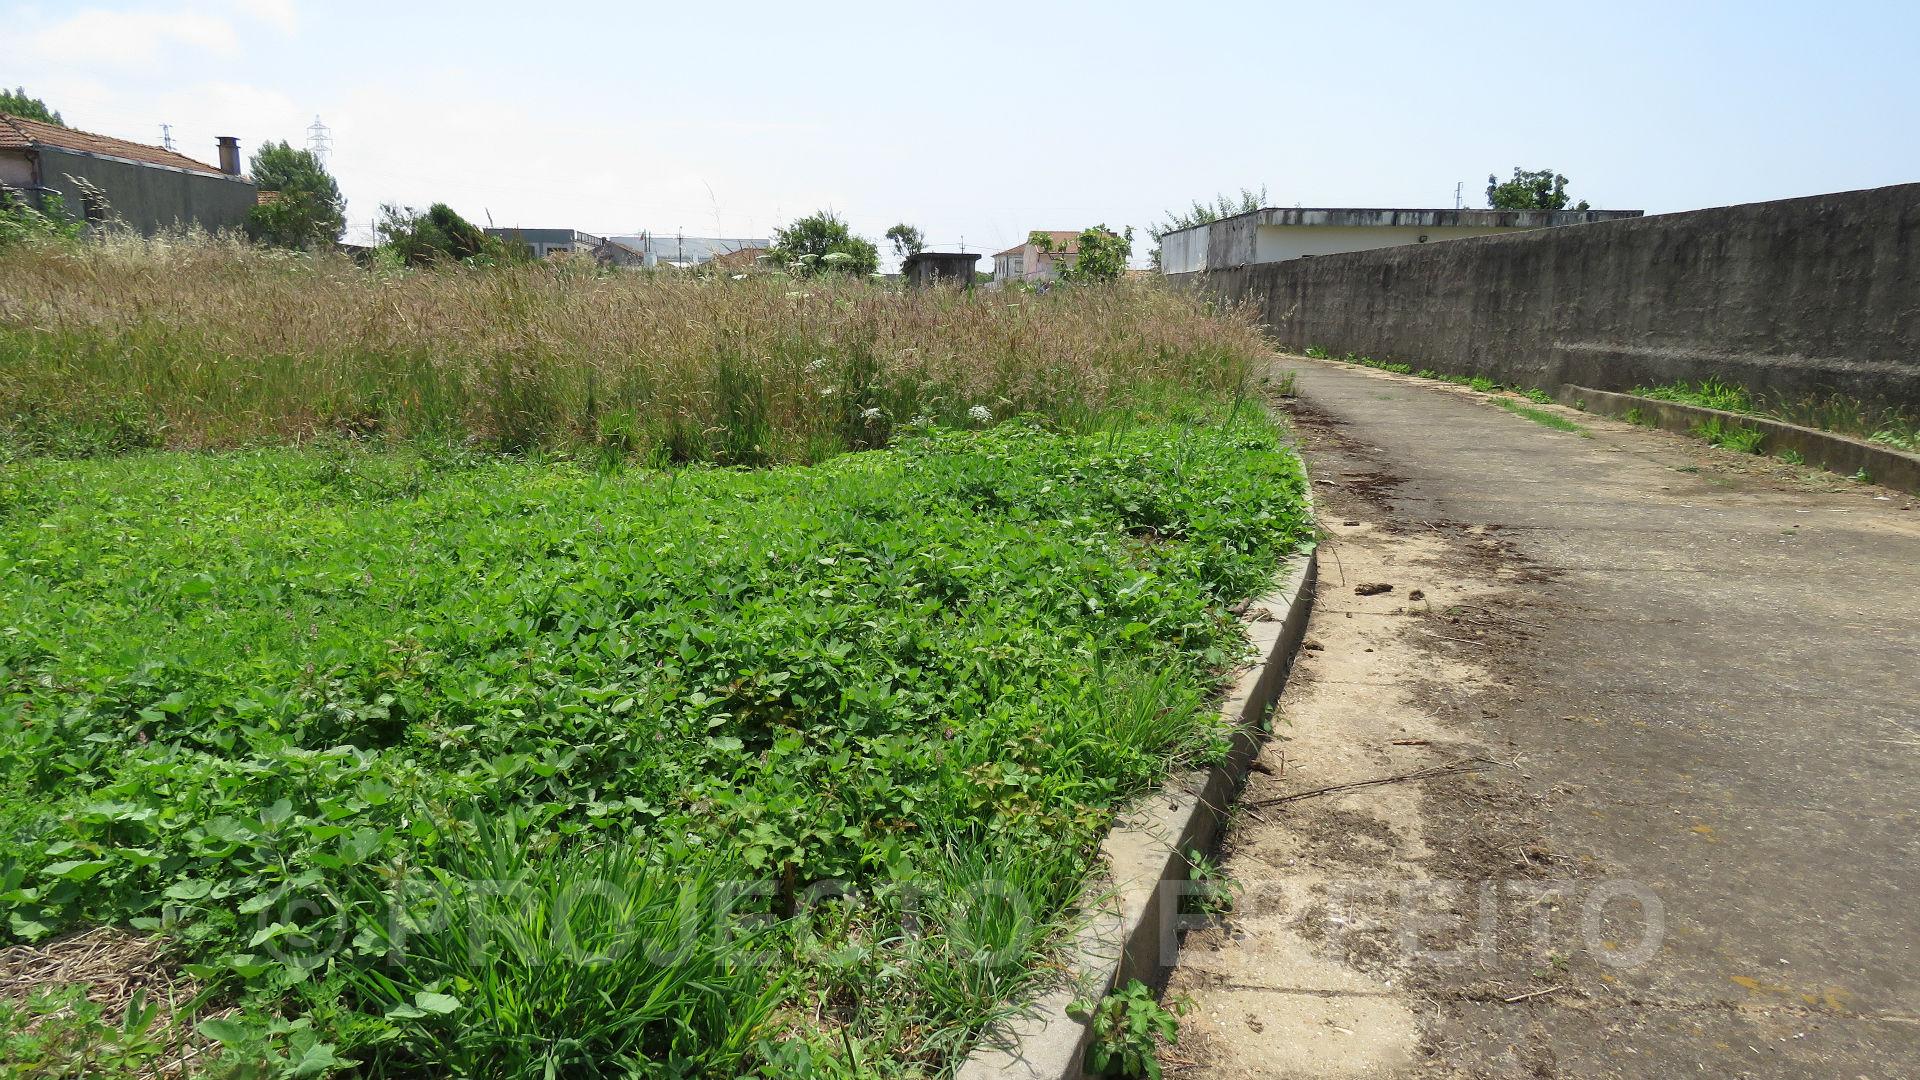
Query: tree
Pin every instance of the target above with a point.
(1103, 254)
(305, 209)
(16, 102)
(1541, 189)
(824, 242)
(907, 240)
(439, 235)
(1224, 205)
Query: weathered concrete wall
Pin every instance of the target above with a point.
(150, 197)
(1795, 297)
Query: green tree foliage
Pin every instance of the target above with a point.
(1224, 205)
(1103, 253)
(21, 221)
(306, 209)
(1541, 189)
(821, 242)
(421, 238)
(1200, 213)
(907, 240)
(16, 102)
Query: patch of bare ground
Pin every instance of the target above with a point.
(113, 969)
(1386, 862)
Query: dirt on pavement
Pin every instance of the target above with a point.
(1530, 860)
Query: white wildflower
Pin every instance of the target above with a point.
(981, 414)
(739, 277)
(920, 421)
(870, 414)
(816, 364)
(829, 391)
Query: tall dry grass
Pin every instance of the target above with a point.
(206, 343)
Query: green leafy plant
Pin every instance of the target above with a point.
(1129, 1026)
(436, 235)
(58, 1032)
(907, 240)
(1100, 255)
(1792, 457)
(25, 219)
(1728, 436)
(823, 243)
(301, 206)
(932, 671)
(17, 102)
(1214, 890)
(1537, 189)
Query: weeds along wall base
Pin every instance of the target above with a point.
(1835, 453)
(1133, 931)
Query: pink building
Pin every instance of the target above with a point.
(1027, 262)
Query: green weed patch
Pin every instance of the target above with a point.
(446, 763)
(1540, 416)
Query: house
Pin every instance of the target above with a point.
(1030, 262)
(545, 243)
(97, 177)
(1275, 235)
(924, 268)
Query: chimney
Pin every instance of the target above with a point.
(229, 155)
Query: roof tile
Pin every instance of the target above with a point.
(20, 133)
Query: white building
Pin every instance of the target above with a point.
(1275, 235)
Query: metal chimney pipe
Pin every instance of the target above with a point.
(229, 155)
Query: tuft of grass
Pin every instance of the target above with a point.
(1743, 440)
(586, 961)
(1792, 457)
(1540, 416)
(1889, 425)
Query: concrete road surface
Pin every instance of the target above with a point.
(1647, 720)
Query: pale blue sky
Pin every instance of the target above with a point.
(984, 120)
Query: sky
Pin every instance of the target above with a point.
(978, 122)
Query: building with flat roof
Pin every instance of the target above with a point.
(546, 242)
(1277, 234)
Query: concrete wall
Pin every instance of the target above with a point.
(1794, 297)
(1275, 243)
(150, 197)
(1275, 233)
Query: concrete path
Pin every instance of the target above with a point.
(1648, 715)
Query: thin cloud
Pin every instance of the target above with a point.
(279, 14)
(115, 37)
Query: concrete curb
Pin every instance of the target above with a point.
(1834, 453)
(1132, 934)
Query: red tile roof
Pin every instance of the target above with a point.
(20, 133)
(1065, 241)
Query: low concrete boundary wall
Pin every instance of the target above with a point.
(1822, 449)
(1793, 298)
(1132, 933)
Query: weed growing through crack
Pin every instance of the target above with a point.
(1541, 416)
